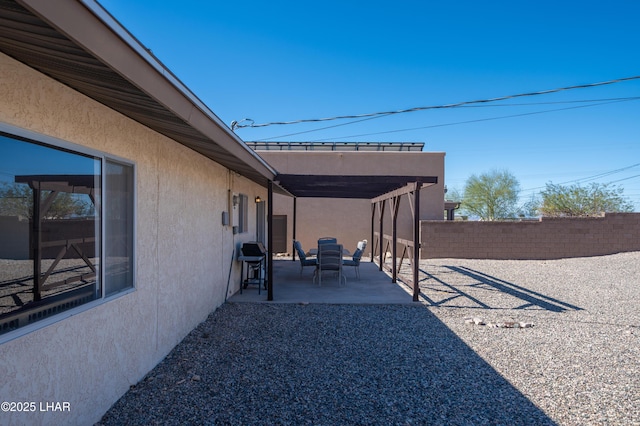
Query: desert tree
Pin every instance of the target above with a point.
(576, 200)
(492, 195)
(17, 200)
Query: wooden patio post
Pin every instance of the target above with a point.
(416, 241)
(395, 204)
(270, 241)
(383, 204)
(295, 218)
(373, 216)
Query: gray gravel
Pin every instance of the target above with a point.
(252, 363)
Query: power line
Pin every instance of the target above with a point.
(236, 124)
(603, 102)
(551, 103)
(590, 178)
(627, 178)
(613, 172)
(475, 121)
(321, 128)
(632, 196)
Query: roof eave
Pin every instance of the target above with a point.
(92, 28)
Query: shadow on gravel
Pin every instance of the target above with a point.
(471, 285)
(324, 364)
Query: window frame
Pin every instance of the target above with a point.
(103, 224)
(243, 213)
(56, 143)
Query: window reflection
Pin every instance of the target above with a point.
(50, 231)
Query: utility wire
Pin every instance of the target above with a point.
(552, 103)
(474, 121)
(605, 100)
(627, 178)
(322, 128)
(236, 124)
(594, 177)
(601, 175)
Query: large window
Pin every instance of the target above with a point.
(66, 226)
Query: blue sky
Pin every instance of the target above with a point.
(292, 60)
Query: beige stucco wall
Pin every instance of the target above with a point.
(183, 256)
(350, 220)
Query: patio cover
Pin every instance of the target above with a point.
(377, 188)
(346, 186)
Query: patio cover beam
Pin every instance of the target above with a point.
(366, 187)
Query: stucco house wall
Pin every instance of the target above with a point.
(350, 220)
(183, 257)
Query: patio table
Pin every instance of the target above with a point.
(314, 252)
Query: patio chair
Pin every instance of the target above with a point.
(330, 259)
(327, 240)
(357, 255)
(304, 260)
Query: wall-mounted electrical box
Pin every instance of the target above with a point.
(225, 218)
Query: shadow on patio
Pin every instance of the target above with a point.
(373, 287)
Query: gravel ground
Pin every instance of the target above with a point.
(426, 363)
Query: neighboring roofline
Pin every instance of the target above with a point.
(336, 146)
(97, 32)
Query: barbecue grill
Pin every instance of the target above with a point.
(254, 248)
(253, 254)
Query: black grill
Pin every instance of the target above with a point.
(253, 249)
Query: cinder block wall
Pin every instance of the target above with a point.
(548, 238)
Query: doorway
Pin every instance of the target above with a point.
(280, 234)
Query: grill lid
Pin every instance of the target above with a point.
(254, 248)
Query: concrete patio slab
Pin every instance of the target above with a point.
(373, 287)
